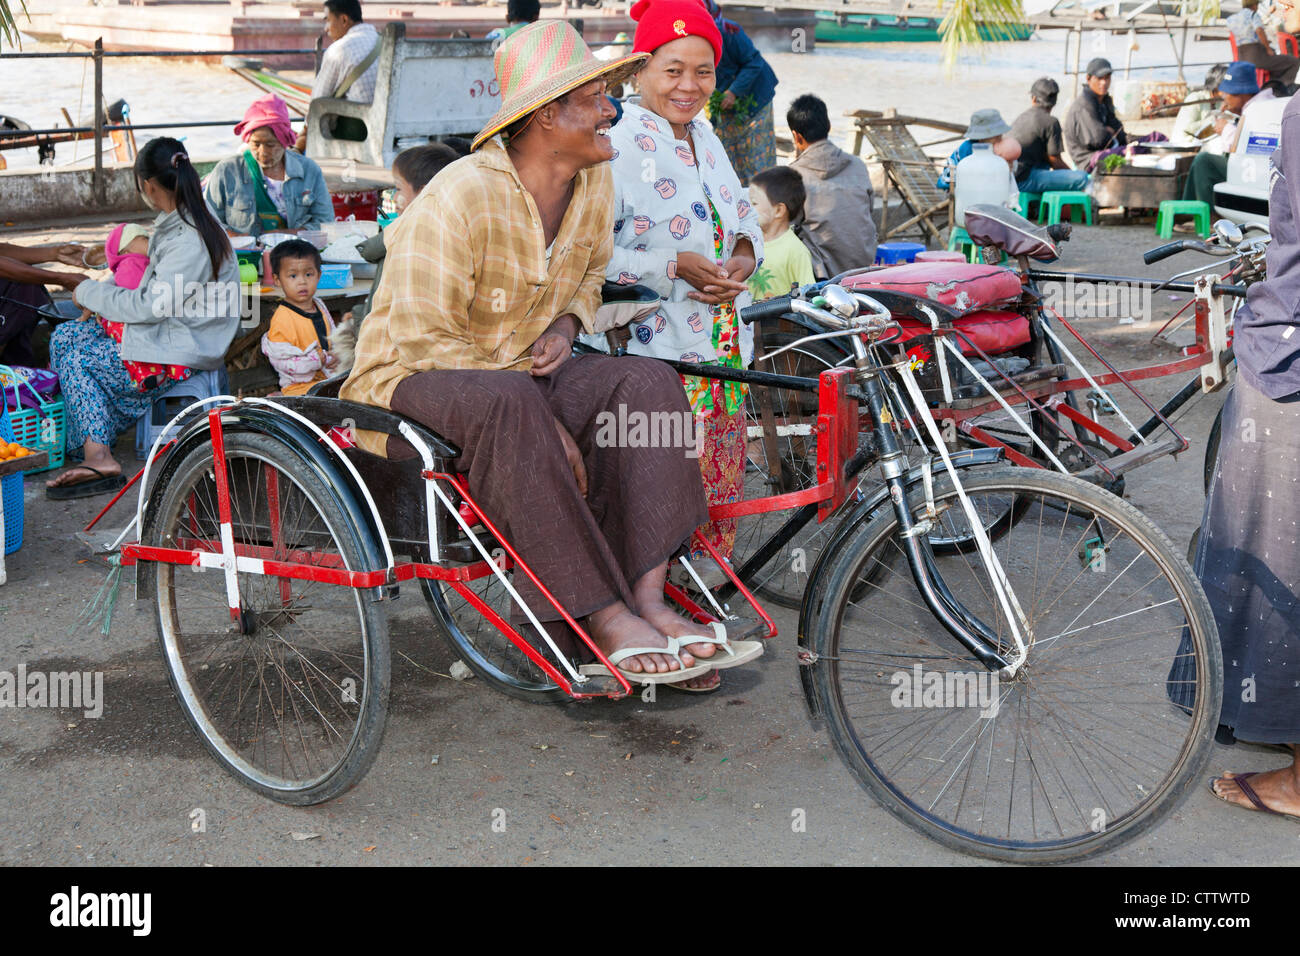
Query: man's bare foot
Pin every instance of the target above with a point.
(1277, 789)
(648, 593)
(80, 474)
(711, 680)
(615, 627)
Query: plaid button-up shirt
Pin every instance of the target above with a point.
(339, 59)
(467, 283)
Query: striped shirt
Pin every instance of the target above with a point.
(467, 284)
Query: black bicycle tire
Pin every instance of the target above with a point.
(372, 718)
(855, 550)
(478, 661)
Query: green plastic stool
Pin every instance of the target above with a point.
(1185, 207)
(1026, 199)
(959, 240)
(1052, 204)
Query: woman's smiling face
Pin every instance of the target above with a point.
(678, 80)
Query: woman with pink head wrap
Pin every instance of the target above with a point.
(268, 187)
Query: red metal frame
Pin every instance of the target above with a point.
(837, 432)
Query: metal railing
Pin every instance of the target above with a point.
(98, 54)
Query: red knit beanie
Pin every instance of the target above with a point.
(662, 21)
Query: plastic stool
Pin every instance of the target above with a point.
(169, 402)
(1026, 199)
(1182, 207)
(1052, 204)
(959, 240)
(891, 253)
(1286, 43)
(940, 255)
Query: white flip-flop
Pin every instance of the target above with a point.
(738, 652)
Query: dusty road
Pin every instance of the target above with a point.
(717, 779)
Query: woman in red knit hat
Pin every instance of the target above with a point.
(683, 226)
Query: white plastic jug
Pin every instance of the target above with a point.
(982, 177)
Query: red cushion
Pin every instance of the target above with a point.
(993, 332)
(961, 286)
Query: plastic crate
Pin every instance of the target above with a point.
(11, 494)
(40, 429)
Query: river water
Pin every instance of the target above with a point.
(906, 76)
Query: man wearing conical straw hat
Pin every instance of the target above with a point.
(491, 272)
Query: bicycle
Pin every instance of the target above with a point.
(269, 551)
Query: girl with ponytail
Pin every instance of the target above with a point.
(181, 316)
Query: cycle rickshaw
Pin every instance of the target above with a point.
(989, 647)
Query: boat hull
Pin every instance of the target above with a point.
(858, 28)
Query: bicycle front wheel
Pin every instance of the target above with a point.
(1105, 726)
(292, 700)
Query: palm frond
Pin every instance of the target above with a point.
(969, 24)
(9, 23)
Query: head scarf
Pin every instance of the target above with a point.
(662, 21)
(269, 111)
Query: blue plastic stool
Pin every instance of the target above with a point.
(892, 253)
(169, 403)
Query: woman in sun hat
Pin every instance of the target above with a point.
(685, 228)
(490, 273)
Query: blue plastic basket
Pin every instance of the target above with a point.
(11, 493)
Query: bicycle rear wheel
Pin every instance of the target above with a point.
(485, 649)
(1085, 748)
(292, 701)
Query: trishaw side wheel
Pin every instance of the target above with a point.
(484, 649)
(1212, 450)
(291, 699)
(1100, 735)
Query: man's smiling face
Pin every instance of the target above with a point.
(581, 123)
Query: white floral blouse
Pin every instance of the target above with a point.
(666, 203)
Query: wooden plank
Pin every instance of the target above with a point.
(33, 462)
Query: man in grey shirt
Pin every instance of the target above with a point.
(836, 226)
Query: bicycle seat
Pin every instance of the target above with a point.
(990, 225)
(960, 286)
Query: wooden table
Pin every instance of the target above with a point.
(31, 462)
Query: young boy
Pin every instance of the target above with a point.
(778, 197)
(298, 341)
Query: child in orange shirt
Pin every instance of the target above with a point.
(297, 343)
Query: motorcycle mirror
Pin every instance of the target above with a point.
(1227, 232)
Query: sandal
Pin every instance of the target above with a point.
(86, 489)
(712, 689)
(739, 653)
(1240, 780)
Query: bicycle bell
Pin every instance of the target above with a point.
(839, 301)
(1227, 232)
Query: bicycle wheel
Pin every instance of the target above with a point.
(294, 707)
(1081, 750)
(486, 650)
(783, 577)
(1212, 450)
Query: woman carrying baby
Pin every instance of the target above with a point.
(180, 315)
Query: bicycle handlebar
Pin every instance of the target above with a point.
(770, 309)
(1179, 245)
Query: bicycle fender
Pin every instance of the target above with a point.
(861, 514)
(299, 440)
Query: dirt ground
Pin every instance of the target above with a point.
(713, 779)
